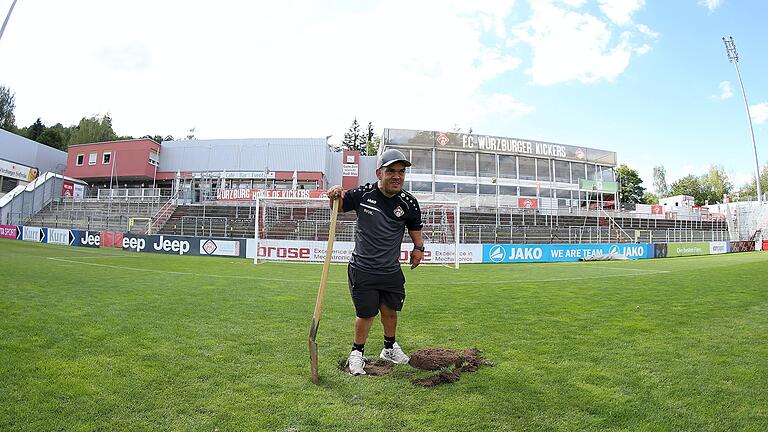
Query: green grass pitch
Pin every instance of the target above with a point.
(110, 340)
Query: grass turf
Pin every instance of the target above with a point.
(111, 340)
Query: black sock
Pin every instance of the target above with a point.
(389, 342)
(358, 347)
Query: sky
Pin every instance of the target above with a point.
(649, 80)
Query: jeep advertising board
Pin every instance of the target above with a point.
(178, 245)
(88, 239)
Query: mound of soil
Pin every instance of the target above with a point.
(377, 367)
(450, 363)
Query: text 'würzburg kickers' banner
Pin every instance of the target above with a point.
(309, 251)
(252, 194)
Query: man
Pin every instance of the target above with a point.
(376, 282)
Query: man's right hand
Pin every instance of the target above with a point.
(335, 192)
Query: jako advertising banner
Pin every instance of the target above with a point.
(177, 245)
(687, 249)
(507, 253)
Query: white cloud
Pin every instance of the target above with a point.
(246, 69)
(711, 5)
(759, 112)
(725, 91)
(620, 11)
(569, 45)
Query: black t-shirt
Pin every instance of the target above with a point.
(381, 223)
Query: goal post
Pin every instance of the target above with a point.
(296, 230)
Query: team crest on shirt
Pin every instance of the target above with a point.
(399, 212)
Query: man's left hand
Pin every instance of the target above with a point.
(416, 257)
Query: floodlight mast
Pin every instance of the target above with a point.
(733, 57)
(7, 18)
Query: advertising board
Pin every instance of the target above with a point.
(507, 253)
(687, 249)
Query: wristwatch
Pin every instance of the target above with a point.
(419, 248)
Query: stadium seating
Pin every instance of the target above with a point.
(478, 225)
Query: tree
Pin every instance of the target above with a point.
(35, 130)
(373, 142)
(7, 106)
(630, 185)
(92, 130)
(53, 138)
(660, 181)
(750, 190)
(650, 198)
(689, 185)
(715, 184)
(354, 139)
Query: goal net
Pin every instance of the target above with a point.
(296, 229)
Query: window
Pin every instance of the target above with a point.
(154, 158)
(543, 171)
(507, 167)
(106, 157)
(487, 189)
(578, 172)
(527, 168)
(92, 158)
(527, 191)
(465, 164)
(421, 161)
(487, 165)
(421, 186)
(445, 187)
(592, 172)
(80, 159)
(562, 172)
(467, 188)
(508, 190)
(445, 163)
(607, 173)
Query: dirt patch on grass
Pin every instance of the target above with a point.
(377, 367)
(450, 364)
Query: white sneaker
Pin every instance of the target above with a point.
(356, 363)
(394, 354)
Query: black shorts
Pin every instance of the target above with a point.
(369, 291)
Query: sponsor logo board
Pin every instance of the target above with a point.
(718, 247)
(9, 231)
(507, 253)
(230, 248)
(88, 239)
(687, 249)
(177, 245)
(292, 250)
(33, 234)
(60, 236)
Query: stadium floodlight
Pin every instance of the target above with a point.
(7, 18)
(733, 57)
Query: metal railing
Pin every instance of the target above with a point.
(204, 226)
